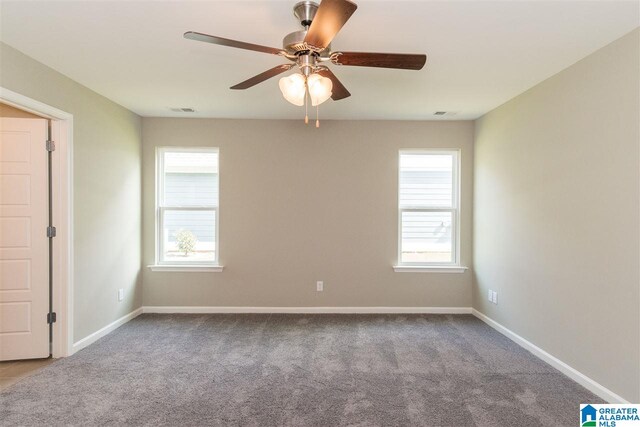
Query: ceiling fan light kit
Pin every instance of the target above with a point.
(294, 89)
(309, 48)
(319, 89)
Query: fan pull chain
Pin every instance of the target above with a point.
(317, 116)
(306, 109)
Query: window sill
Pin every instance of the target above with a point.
(429, 269)
(186, 268)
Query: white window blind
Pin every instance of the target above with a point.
(428, 204)
(187, 206)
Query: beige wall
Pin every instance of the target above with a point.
(299, 204)
(556, 216)
(106, 190)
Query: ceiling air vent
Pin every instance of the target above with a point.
(183, 110)
(445, 113)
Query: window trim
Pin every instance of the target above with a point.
(454, 209)
(160, 209)
(197, 268)
(429, 269)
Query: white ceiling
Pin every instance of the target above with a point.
(480, 53)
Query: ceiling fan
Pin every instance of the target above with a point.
(309, 49)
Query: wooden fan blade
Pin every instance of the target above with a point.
(192, 35)
(339, 91)
(330, 17)
(402, 61)
(263, 76)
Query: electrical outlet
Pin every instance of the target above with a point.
(495, 297)
(490, 295)
(120, 294)
(319, 286)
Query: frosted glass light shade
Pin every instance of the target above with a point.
(319, 88)
(293, 88)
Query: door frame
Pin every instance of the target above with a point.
(62, 175)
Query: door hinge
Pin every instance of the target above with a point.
(51, 232)
(51, 145)
(51, 318)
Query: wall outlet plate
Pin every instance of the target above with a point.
(490, 295)
(495, 297)
(319, 286)
(120, 294)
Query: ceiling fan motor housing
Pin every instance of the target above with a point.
(293, 43)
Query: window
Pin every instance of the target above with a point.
(428, 208)
(187, 206)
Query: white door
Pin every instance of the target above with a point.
(24, 251)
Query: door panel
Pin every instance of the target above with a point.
(24, 251)
(15, 317)
(15, 190)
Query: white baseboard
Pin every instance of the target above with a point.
(575, 375)
(194, 309)
(88, 340)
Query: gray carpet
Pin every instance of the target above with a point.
(298, 370)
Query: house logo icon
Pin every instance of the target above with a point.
(587, 416)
